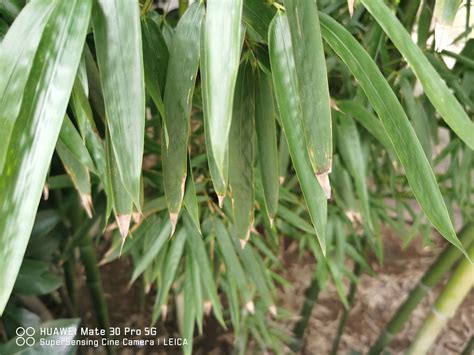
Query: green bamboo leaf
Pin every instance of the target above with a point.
(10, 9)
(17, 51)
(369, 121)
(222, 34)
(180, 80)
(155, 63)
(36, 131)
(284, 79)
(190, 199)
(158, 240)
(122, 203)
(267, 141)
(435, 88)
(171, 266)
(283, 157)
(189, 309)
(118, 43)
(350, 149)
(72, 140)
(79, 175)
(197, 287)
(417, 168)
(197, 246)
(241, 153)
(312, 85)
(417, 116)
(257, 15)
(233, 264)
(3, 29)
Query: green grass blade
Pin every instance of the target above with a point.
(312, 85)
(118, 44)
(435, 88)
(284, 79)
(17, 52)
(222, 34)
(180, 80)
(265, 126)
(36, 131)
(417, 168)
(241, 153)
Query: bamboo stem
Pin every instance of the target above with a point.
(311, 296)
(435, 273)
(457, 288)
(94, 283)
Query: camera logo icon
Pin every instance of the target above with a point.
(25, 336)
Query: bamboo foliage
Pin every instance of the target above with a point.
(271, 122)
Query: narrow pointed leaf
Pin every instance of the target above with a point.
(197, 246)
(180, 81)
(265, 125)
(155, 62)
(434, 86)
(17, 52)
(160, 233)
(36, 131)
(350, 149)
(171, 266)
(190, 199)
(312, 81)
(222, 34)
(284, 79)
(118, 43)
(241, 152)
(417, 168)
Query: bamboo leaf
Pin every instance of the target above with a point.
(17, 51)
(190, 199)
(180, 80)
(241, 153)
(284, 79)
(158, 240)
(36, 131)
(435, 88)
(171, 266)
(118, 43)
(222, 34)
(312, 85)
(267, 141)
(197, 246)
(155, 63)
(350, 148)
(417, 168)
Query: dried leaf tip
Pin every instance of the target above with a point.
(137, 217)
(174, 221)
(350, 5)
(250, 307)
(207, 307)
(123, 222)
(272, 221)
(323, 180)
(273, 310)
(243, 242)
(221, 200)
(164, 312)
(86, 201)
(45, 192)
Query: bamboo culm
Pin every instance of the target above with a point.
(457, 288)
(435, 273)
